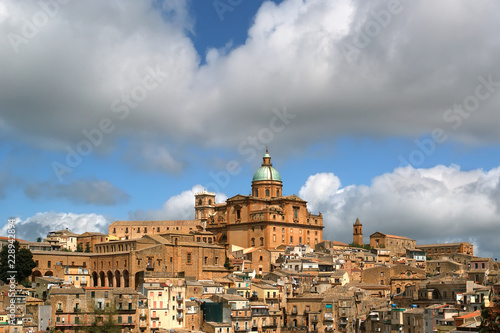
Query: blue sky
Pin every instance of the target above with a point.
(122, 110)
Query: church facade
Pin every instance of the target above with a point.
(266, 218)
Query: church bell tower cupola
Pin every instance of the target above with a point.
(266, 182)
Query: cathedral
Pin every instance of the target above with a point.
(266, 218)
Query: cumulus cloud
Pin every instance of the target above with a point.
(440, 204)
(40, 224)
(178, 207)
(95, 192)
(91, 61)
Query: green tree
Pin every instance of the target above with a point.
(13, 258)
(79, 247)
(39, 239)
(87, 248)
(104, 322)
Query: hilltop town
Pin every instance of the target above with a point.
(255, 263)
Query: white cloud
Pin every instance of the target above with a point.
(40, 224)
(177, 207)
(440, 204)
(89, 55)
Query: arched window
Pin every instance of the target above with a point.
(199, 202)
(277, 193)
(210, 201)
(253, 241)
(267, 192)
(262, 241)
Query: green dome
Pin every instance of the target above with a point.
(266, 172)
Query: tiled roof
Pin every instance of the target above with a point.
(443, 244)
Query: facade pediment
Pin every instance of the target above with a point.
(377, 234)
(237, 197)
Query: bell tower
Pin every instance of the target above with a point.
(204, 207)
(357, 233)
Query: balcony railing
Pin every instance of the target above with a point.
(180, 298)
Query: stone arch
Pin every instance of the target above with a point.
(48, 273)
(118, 277)
(139, 279)
(126, 279)
(35, 274)
(223, 239)
(110, 279)
(95, 279)
(102, 278)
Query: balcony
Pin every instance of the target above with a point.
(150, 267)
(328, 316)
(314, 319)
(143, 316)
(294, 311)
(179, 316)
(179, 298)
(77, 310)
(180, 307)
(306, 311)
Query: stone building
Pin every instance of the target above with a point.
(75, 308)
(136, 229)
(263, 218)
(87, 240)
(124, 263)
(396, 244)
(447, 249)
(399, 277)
(68, 266)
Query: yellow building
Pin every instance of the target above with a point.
(265, 218)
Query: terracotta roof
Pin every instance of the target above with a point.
(470, 315)
(443, 244)
(399, 237)
(17, 239)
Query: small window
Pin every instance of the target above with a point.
(189, 258)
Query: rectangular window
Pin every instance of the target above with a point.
(188, 258)
(92, 294)
(48, 264)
